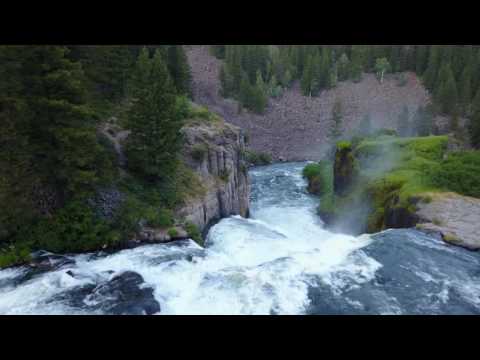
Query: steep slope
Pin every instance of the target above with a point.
(295, 127)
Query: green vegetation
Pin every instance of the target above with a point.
(258, 159)
(53, 99)
(194, 233)
(319, 177)
(394, 174)
(173, 233)
(459, 172)
(155, 125)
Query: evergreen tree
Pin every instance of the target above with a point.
(218, 51)
(179, 70)
(343, 67)
(246, 92)
(307, 78)
(421, 57)
(259, 96)
(155, 126)
(140, 77)
(447, 95)
(465, 90)
(475, 130)
(61, 129)
(422, 121)
(430, 75)
(333, 76)
(337, 121)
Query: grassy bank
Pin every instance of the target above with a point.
(394, 175)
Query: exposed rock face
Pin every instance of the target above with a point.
(222, 170)
(455, 217)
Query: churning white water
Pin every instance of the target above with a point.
(281, 261)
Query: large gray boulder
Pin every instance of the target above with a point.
(455, 217)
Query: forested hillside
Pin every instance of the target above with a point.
(56, 161)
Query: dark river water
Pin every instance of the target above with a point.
(280, 261)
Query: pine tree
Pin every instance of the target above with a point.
(447, 95)
(465, 90)
(179, 70)
(422, 122)
(61, 130)
(343, 67)
(246, 92)
(475, 130)
(155, 126)
(140, 77)
(333, 76)
(430, 75)
(337, 121)
(421, 57)
(307, 78)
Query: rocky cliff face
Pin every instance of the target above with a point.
(215, 151)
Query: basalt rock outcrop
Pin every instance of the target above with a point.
(215, 151)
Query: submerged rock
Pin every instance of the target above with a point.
(123, 294)
(47, 261)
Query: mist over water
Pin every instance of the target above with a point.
(280, 261)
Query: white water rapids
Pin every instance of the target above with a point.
(264, 265)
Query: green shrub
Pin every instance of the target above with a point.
(258, 159)
(128, 219)
(14, 255)
(75, 228)
(173, 233)
(311, 170)
(194, 233)
(183, 107)
(159, 218)
(459, 172)
(344, 145)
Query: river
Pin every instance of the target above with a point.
(280, 261)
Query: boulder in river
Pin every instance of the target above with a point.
(123, 294)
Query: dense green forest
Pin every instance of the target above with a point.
(253, 73)
(54, 159)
